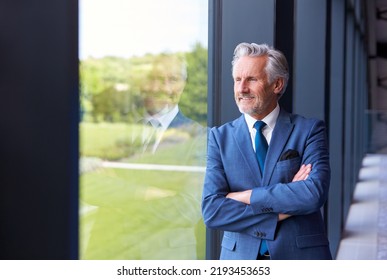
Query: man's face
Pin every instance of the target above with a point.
(164, 85)
(253, 94)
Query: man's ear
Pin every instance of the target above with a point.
(278, 85)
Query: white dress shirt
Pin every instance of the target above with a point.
(267, 131)
(160, 123)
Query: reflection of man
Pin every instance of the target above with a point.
(177, 140)
(161, 92)
(153, 212)
(268, 211)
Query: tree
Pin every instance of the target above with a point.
(194, 99)
(111, 87)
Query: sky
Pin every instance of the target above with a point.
(127, 28)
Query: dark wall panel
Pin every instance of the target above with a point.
(38, 122)
(309, 58)
(284, 41)
(350, 174)
(242, 21)
(335, 80)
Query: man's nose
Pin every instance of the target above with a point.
(242, 86)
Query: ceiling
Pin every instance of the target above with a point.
(377, 45)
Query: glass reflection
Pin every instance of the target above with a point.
(143, 146)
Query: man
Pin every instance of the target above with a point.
(276, 214)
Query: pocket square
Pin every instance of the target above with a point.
(289, 154)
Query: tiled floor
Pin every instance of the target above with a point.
(365, 235)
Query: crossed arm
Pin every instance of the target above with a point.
(244, 196)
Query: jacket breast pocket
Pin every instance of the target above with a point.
(286, 169)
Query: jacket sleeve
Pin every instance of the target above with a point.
(227, 214)
(301, 197)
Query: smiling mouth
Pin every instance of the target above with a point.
(245, 98)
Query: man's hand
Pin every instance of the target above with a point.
(282, 217)
(243, 196)
(303, 173)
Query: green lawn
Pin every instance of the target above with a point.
(107, 140)
(139, 214)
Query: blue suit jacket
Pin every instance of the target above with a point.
(232, 166)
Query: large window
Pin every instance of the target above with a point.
(143, 70)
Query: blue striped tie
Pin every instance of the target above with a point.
(261, 150)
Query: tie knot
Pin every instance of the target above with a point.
(259, 125)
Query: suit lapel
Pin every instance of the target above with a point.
(244, 145)
(280, 136)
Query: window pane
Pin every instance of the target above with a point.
(143, 70)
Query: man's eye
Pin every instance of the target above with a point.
(173, 79)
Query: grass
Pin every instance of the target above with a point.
(140, 214)
(109, 141)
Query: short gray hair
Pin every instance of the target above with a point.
(277, 65)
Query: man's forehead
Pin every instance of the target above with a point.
(246, 65)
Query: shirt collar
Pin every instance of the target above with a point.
(270, 119)
(165, 119)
